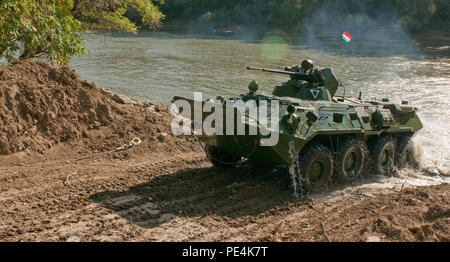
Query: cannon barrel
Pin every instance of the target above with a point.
(312, 77)
(273, 71)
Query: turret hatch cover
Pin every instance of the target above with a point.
(331, 83)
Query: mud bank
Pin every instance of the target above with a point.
(165, 189)
(43, 106)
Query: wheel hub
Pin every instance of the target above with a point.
(316, 171)
(385, 158)
(350, 162)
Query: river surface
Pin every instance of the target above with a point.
(156, 66)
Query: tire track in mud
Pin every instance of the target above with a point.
(144, 169)
(55, 200)
(198, 190)
(226, 194)
(183, 198)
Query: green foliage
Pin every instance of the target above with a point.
(111, 15)
(238, 11)
(421, 14)
(413, 14)
(41, 27)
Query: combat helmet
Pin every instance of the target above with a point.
(307, 65)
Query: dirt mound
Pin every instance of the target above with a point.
(43, 105)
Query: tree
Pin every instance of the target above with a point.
(39, 27)
(414, 14)
(111, 14)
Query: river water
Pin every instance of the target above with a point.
(156, 66)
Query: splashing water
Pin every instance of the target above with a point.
(294, 172)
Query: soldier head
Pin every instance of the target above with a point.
(307, 66)
(253, 86)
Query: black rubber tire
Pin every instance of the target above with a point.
(350, 147)
(405, 153)
(308, 157)
(219, 157)
(285, 179)
(383, 155)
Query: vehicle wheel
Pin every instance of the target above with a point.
(349, 163)
(404, 153)
(315, 166)
(220, 157)
(383, 155)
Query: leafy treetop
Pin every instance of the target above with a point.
(111, 14)
(39, 27)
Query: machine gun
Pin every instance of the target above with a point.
(313, 77)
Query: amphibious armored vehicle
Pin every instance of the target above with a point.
(305, 125)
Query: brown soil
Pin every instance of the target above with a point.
(42, 106)
(165, 189)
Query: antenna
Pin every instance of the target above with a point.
(340, 84)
